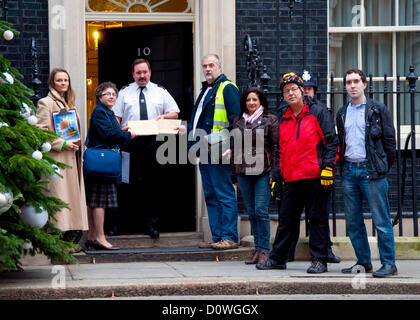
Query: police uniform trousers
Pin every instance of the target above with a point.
(145, 179)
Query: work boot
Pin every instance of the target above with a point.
(270, 264)
(317, 266)
(332, 258)
(358, 268)
(386, 270)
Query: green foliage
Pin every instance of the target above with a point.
(26, 177)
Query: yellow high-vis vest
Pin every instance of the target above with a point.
(220, 118)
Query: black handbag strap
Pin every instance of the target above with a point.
(103, 145)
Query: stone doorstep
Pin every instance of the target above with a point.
(406, 248)
(143, 255)
(177, 239)
(164, 254)
(221, 286)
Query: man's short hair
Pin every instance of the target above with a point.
(357, 71)
(218, 61)
(138, 61)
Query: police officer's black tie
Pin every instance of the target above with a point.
(143, 107)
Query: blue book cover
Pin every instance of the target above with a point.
(66, 125)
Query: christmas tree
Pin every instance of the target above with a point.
(25, 170)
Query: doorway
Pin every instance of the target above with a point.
(169, 49)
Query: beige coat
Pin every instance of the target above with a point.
(71, 187)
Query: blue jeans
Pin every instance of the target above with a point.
(221, 202)
(255, 190)
(355, 186)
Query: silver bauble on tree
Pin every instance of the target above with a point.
(26, 111)
(32, 120)
(33, 218)
(6, 201)
(37, 155)
(46, 147)
(8, 35)
(9, 78)
(56, 173)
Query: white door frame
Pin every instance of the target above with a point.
(214, 32)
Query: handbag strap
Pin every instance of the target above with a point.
(87, 136)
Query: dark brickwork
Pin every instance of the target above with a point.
(30, 17)
(280, 40)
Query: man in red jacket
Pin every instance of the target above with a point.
(305, 161)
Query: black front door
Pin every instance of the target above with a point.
(169, 50)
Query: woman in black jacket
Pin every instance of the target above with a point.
(104, 130)
(253, 164)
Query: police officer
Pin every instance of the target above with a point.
(143, 100)
(309, 90)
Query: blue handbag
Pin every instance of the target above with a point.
(100, 163)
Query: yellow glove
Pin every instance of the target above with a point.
(276, 190)
(327, 178)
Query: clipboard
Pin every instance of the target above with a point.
(154, 127)
(65, 124)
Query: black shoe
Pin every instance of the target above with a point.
(358, 268)
(89, 245)
(333, 258)
(317, 266)
(153, 233)
(99, 246)
(386, 270)
(290, 259)
(270, 264)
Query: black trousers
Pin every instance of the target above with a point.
(295, 237)
(145, 177)
(310, 194)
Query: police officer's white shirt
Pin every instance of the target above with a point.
(127, 107)
(158, 102)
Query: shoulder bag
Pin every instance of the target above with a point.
(102, 163)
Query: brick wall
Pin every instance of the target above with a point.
(280, 40)
(30, 17)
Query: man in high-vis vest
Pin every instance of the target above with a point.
(214, 111)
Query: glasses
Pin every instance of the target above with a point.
(109, 94)
(287, 91)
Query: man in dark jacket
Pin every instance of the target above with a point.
(305, 160)
(367, 151)
(214, 111)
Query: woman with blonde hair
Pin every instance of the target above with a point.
(70, 188)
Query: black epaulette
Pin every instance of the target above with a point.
(160, 86)
(124, 87)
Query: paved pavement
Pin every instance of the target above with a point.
(227, 278)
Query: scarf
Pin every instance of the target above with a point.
(254, 116)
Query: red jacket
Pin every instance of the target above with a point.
(307, 143)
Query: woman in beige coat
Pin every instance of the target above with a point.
(70, 188)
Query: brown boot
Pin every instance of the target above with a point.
(254, 257)
(263, 257)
